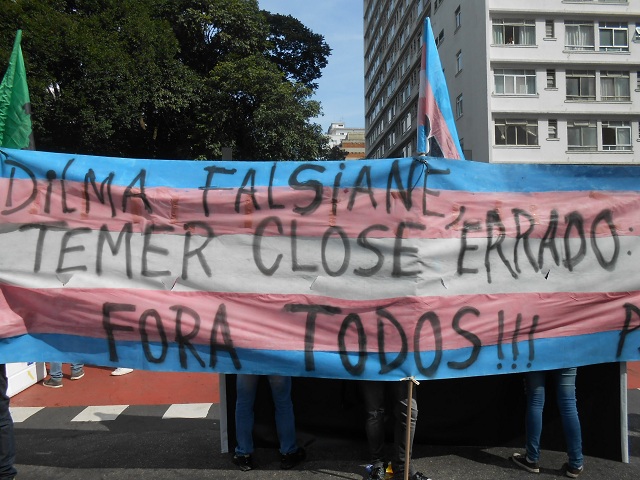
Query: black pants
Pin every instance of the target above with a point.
(374, 395)
(7, 439)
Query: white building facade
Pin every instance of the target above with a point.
(554, 81)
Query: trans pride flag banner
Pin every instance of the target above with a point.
(437, 132)
(375, 269)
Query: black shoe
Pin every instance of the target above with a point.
(290, 460)
(420, 476)
(572, 472)
(244, 462)
(377, 473)
(522, 461)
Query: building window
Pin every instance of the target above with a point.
(614, 86)
(579, 35)
(581, 85)
(459, 109)
(614, 37)
(514, 32)
(551, 78)
(516, 132)
(458, 15)
(581, 135)
(553, 129)
(549, 30)
(459, 61)
(514, 82)
(440, 38)
(616, 136)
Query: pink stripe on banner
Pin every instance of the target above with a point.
(290, 324)
(443, 213)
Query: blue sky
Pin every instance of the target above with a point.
(341, 88)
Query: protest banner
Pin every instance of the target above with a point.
(373, 269)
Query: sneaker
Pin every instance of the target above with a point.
(523, 462)
(290, 460)
(415, 476)
(377, 473)
(244, 462)
(77, 375)
(419, 476)
(121, 371)
(572, 472)
(52, 382)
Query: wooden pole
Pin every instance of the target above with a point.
(407, 425)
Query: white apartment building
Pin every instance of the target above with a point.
(555, 81)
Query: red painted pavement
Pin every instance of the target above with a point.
(633, 375)
(139, 387)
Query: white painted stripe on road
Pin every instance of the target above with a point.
(187, 410)
(100, 413)
(20, 414)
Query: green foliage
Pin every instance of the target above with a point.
(166, 78)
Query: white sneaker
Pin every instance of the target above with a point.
(121, 371)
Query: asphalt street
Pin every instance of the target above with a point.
(140, 444)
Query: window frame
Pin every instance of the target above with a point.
(581, 74)
(508, 29)
(617, 126)
(613, 27)
(582, 127)
(580, 25)
(613, 75)
(516, 129)
(514, 74)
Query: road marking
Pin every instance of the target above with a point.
(20, 414)
(101, 413)
(187, 410)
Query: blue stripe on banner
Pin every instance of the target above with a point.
(442, 173)
(548, 354)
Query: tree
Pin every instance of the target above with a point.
(336, 153)
(162, 79)
(298, 52)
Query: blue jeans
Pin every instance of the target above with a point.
(7, 439)
(55, 369)
(246, 386)
(565, 382)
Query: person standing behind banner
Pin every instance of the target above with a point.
(246, 387)
(374, 396)
(565, 382)
(7, 437)
(55, 373)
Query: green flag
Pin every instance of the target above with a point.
(15, 106)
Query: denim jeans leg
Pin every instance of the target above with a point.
(7, 439)
(400, 430)
(566, 397)
(535, 406)
(246, 387)
(55, 370)
(373, 395)
(285, 418)
(76, 367)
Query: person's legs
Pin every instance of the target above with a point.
(77, 371)
(535, 405)
(7, 438)
(400, 430)
(55, 370)
(246, 386)
(373, 395)
(285, 419)
(566, 396)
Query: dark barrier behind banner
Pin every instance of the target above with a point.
(481, 411)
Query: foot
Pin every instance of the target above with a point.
(77, 375)
(415, 476)
(377, 472)
(572, 472)
(52, 382)
(121, 371)
(523, 462)
(245, 462)
(290, 460)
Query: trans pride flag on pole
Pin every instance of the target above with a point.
(437, 134)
